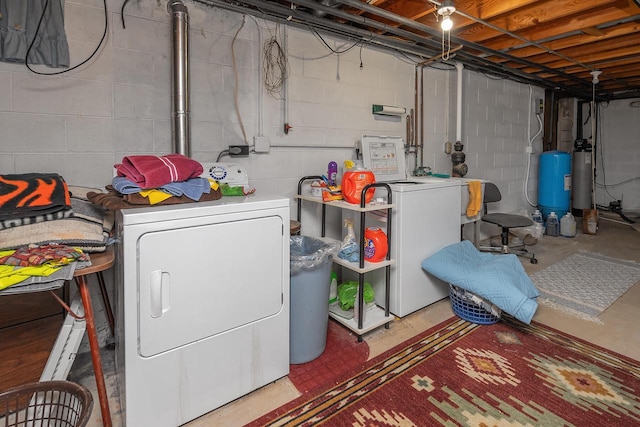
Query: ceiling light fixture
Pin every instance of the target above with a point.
(445, 10)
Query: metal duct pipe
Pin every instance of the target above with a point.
(181, 123)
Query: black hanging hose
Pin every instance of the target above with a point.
(122, 12)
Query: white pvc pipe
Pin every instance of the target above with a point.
(459, 67)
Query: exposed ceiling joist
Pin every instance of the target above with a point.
(555, 44)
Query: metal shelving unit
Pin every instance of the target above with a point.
(376, 316)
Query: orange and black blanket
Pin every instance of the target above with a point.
(30, 194)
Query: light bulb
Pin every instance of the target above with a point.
(447, 23)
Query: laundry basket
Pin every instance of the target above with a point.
(47, 403)
(469, 307)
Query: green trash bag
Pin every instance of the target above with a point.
(348, 290)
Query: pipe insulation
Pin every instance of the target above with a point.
(181, 120)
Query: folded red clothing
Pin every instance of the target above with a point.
(31, 194)
(156, 171)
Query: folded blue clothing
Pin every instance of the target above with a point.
(125, 186)
(350, 252)
(193, 188)
(500, 279)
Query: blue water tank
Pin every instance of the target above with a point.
(554, 183)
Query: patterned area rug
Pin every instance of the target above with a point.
(342, 356)
(459, 373)
(585, 284)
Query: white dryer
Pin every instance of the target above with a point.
(202, 299)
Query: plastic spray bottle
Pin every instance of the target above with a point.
(349, 249)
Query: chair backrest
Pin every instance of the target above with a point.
(491, 193)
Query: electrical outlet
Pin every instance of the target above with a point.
(261, 144)
(540, 106)
(238, 150)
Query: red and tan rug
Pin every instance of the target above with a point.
(459, 373)
(342, 356)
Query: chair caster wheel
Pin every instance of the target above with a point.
(534, 260)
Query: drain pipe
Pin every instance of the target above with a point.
(181, 123)
(459, 67)
(458, 157)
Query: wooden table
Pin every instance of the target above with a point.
(99, 262)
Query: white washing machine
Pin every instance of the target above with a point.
(202, 300)
(426, 219)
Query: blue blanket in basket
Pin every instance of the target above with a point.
(500, 279)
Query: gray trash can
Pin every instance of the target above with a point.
(311, 260)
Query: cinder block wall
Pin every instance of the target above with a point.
(497, 123)
(618, 154)
(80, 124)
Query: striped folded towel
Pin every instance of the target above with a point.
(156, 171)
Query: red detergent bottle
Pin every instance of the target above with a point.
(375, 244)
(353, 181)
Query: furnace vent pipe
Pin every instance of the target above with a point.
(181, 120)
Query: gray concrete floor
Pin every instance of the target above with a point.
(619, 329)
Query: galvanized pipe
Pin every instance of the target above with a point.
(181, 123)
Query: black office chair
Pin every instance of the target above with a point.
(504, 221)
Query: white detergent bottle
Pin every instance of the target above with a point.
(568, 225)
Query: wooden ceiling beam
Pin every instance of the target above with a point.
(622, 47)
(538, 13)
(567, 27)
(537, 37)
(617, 47)
(579, 40)
(484, 10)
(628, 70)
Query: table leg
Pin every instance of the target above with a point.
(95, 350)
(105, 300)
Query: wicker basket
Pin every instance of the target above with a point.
(47, 403)
(467, 309)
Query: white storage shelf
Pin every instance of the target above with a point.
(341, 204)
(375, 316)
(368, 266)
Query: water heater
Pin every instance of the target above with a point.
(554, 183)
(581, 184)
